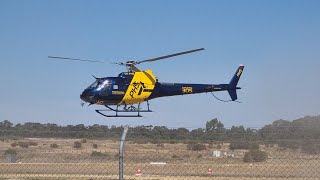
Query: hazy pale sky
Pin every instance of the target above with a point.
(278, 41)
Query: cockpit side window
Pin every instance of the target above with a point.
(103, 84)
(99, 84)
(94, 85)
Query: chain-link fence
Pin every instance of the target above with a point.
(51, 158)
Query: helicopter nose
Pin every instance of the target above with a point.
(88, 96)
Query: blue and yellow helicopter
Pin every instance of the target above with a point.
(130, 89)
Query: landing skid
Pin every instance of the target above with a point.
(126, 109)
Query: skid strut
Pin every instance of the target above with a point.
(126, 109)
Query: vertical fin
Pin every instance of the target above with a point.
(235, 79)
(233, 83)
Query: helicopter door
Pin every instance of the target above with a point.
(118, 87)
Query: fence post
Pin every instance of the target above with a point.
(121, 151)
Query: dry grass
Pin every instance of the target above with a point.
(66, 162)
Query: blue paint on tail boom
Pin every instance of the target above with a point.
(173, 89)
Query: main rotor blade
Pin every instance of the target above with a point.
(75, 59)
(170, 55)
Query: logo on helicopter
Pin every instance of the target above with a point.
(100, 102)
(138, 88)
(239, 72)
(187, 90)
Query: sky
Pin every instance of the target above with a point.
(278, 41)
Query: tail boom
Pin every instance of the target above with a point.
(173, 89)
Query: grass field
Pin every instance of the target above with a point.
(41, 161)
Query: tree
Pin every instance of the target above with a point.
(197, 134)
(237, 133)
(214, 126)
(5, 124)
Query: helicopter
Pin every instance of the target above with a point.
(132, 88)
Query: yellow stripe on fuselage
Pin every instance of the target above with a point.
(140, 88)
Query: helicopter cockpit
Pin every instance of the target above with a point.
(104, 89)
(100, 84)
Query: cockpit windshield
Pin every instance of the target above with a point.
(99, 84)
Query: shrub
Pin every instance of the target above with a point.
(199, 156)
(141, 141)
(10, 151)
(199, 147)
(186, 156)
(154, 141)
(23, 144)
(83, 141)
(239, 145)
(196, 147)
(271, 145)
(255, 155)
(95, 145)
(160, 145)
(243, 145)
(77, 144)
(54, 145)
(174, 156)
(189, 146)
(247, 157)
(32, 143)
(219, 146)
(309, 147)
(99, 154)
(254, 145)
(289, 144)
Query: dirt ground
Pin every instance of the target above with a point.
(156, 161)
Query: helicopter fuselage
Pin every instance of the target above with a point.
(137, 87)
